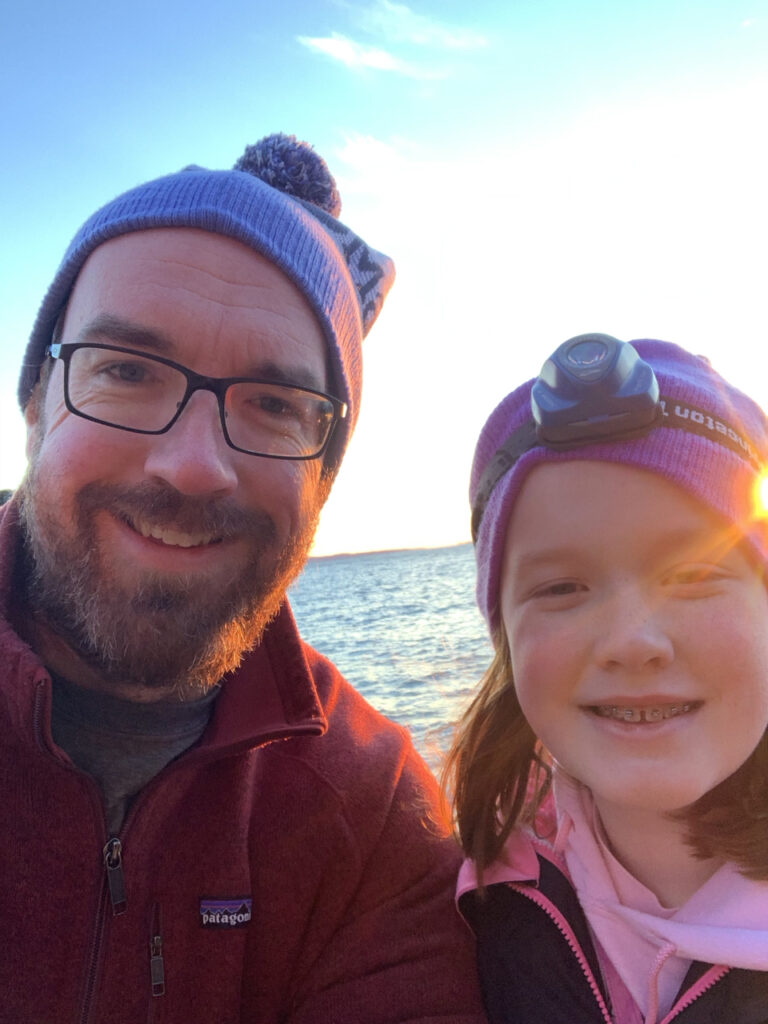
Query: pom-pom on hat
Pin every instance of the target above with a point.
(281, 200)
(294, 168)
(716, 451)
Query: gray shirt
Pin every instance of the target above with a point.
(123, 744)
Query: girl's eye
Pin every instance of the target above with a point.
(691, 575)
(560, 588)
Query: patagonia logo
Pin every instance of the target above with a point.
(226, 913)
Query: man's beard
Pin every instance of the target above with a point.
(169, 630)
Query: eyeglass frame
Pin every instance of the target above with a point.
(195, 382)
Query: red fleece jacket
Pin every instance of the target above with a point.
(279, 871)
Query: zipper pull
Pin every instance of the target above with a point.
(157, 965)
(113, 862)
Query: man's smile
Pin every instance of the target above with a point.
(170, 536)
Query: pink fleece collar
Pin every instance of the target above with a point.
(724, 922)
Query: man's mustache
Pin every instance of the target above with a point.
(159, 504)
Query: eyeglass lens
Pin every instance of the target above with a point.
(140, 393)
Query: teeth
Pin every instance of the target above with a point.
(652, 714)
(174, 537)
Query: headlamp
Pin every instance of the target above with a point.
(593, 387)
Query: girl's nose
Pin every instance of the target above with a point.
(193, 456)
(633, 633)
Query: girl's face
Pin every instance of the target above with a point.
(639, 634)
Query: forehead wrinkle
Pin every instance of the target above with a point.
(279, 322)
(226, 275)
(298, 299)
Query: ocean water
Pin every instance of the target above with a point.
(403, 627)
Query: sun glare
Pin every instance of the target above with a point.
(761, 495)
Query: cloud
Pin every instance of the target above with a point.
(357, 55)
(398, 23)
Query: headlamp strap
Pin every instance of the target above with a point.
(520, 442)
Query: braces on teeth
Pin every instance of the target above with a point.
(641, 714)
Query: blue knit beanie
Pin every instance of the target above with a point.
(280, 200)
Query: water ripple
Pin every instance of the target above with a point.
(402, 626)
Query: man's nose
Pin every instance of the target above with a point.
(633, 633)
(193, 456)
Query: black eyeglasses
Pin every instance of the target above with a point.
(146, 394)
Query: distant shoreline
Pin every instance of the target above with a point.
(388, 551)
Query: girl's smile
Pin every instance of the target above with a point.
(633, 713)
(638, 630)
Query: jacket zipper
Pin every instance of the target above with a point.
(156, 962)
(95, 956)
(543, 903)
(112, 893)
(696, 992)
(113, 862)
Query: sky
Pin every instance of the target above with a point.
(536, 170)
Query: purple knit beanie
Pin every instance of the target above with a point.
(716, 452)
(280, 200)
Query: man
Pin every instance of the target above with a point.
(202, 820)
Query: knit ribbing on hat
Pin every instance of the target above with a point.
(344, 280)
(712, 473)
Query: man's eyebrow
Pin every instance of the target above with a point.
(298, 375)
(108, 327)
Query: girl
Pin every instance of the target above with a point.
(610, 778)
